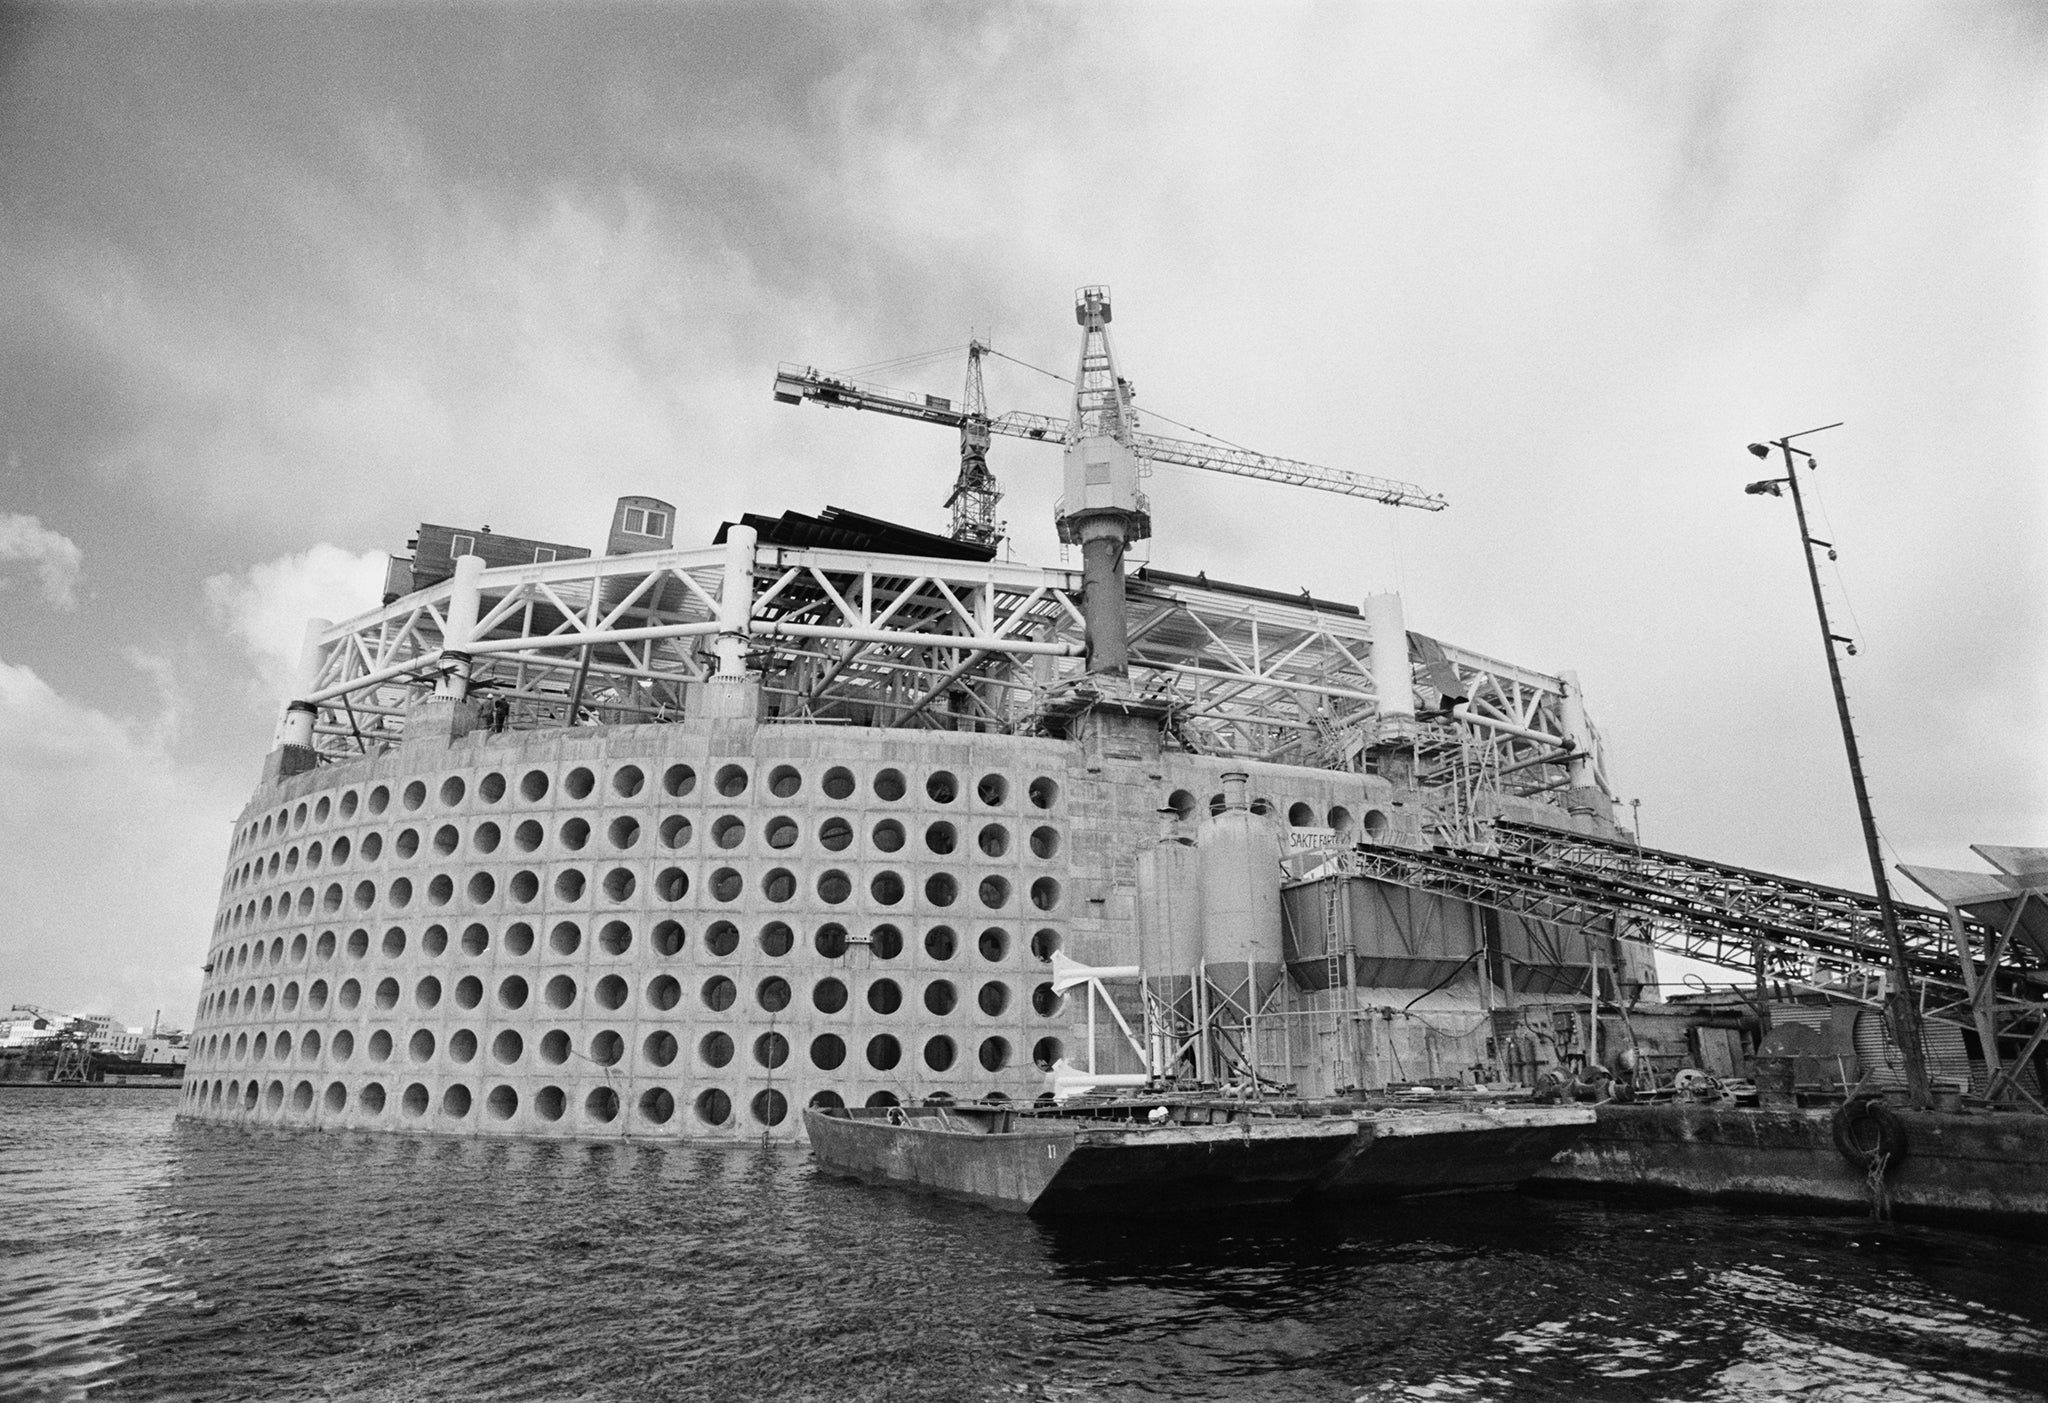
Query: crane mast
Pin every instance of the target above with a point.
(975, 491)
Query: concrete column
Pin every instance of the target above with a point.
(1102, 594)
(465, 602)
(297, 727)
(736, 601)
(1393, 681)
(298, 723)
(1577, 730)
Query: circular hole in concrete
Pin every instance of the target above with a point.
(886, 888)
(569, 885)
(421, 1046)
(664, 992)
(994, 1054)
(884, 1052)
(667, 938)
(602, 1105)
(678, 780)
(722, 938)
(610, 992)
(770, 1107)
(502, 1103)
(518, 938)
(993, 998)
(619, 884)
(1044, 792)
(889, 785)
(660, 1048)
(675, 831)
(575, 834)
(566, 938)
(554, 1047)
(835, 835)
(719, 993)
(628, 780)
(940, 996)
(616, 938)
(941, 889)
(579, 783)
(771, 1050)
(830, 941)
(462, 1045)
(838, 783)
(508, 1046)
(939, 1053)
(657, 1105)
(828, 995)
(549, 1103)
(607, 1048)
(714, 1049)
(561, 991)
(884, 996)
(940, 942)
(730, 781)
(781, 832)
(828, 1050)
(533, 787)
(491, 788)
(714, 1107)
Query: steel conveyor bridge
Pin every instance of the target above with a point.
(1807, 935)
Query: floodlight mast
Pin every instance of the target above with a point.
(1905, 1013)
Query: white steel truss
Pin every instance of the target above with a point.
(880, 640)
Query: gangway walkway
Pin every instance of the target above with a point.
(1809, 936)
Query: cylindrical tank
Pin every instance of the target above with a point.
(1240, 895)
(1170, 910)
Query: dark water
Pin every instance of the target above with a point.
(143, 1259)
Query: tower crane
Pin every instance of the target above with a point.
(976, 491)
(1102, 510)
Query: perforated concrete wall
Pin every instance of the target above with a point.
(668, 931)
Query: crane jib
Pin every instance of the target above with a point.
(797, 383)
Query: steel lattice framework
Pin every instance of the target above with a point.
(881, 640)
(1810, 936)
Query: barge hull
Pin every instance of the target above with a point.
(1983, 1169)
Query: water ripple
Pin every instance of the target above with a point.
(144, 1260)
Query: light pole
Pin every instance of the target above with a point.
(1905, 1013)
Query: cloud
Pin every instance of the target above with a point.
(25, 540)
(266, 607)
(138, 839)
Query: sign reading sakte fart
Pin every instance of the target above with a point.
(1312, 840)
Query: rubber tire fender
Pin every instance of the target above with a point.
(1853, 1139)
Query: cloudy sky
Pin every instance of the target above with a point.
(278, 282)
